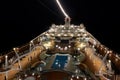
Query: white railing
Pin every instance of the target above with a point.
(20, 57)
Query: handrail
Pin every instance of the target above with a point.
(20, 57)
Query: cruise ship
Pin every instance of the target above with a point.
(63, 52)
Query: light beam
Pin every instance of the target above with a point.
(65, 14)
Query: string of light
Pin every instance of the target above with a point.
(65, 14)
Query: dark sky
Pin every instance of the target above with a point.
(22, 20)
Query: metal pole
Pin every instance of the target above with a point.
(102, 64)
(16, 52)
(30, 47)
(6, 62)
(6, 75)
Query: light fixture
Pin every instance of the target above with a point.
(65, 48)
(33, 74)
(109, 61)
(56, 45)
(14, 49)
(25, 75)
(71, 79)
(116, 59)
(77, 77)
(38, 76)
(69, 46)
(6, 56)
(78, 49)
(31, 41)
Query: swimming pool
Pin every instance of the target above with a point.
(60, 62)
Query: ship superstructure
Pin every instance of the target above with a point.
(63, 52)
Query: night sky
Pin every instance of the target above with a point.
(22, 20)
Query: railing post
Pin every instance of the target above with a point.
(6, 62)
(16, 50)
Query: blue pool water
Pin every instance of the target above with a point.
(59, 62)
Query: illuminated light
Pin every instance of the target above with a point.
(59, 47)
(77, 71)
(78, 48)
(116, 59)
(40, 68)
(62, 26)
(33, 74)
(105, 51)
(57, 26)
(25, 75)
(108, 52)
(31, 41)
(100, 48)
(110, 55)
(109, 61)
(82, 30)
(117, 56)
(74, 56)
(75, 26)
(81, 25)
(62, 9)
(56, 45)
(71, 79)
(73, 76)
(59, 65)
(82, 45)
(6, 56)
(77, 77)
(14, 49)
(85, 78)
(47, 34)
(105, 48)
(85, 35)
(66, 48)
(52, 34)
(71, 26)
(59, 35)
(69, 46)
(65, 34)
(38, 76)
(51, 30)
(78, 34)
(56, 63)
(71, 35)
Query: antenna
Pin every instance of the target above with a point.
(65, 14)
